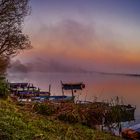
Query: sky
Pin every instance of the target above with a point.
(82, 35)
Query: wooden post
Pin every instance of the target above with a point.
(50, 89)
(38, 94)
(72, 93)
(120, 128)
(62, 89)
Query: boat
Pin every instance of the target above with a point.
(27, 90)
(60, 98)
(132, 132)
(73, 87)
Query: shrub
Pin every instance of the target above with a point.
(86, 115)
(4, 92)
(44, 109)
(4, 135)
(69, 117)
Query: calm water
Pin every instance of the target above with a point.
(104, 87)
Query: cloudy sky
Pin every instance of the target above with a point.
(75, 35)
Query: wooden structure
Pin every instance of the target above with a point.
(27, 90)
(72, 86)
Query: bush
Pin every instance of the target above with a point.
(44, 109)
(85, 115)
(5, 135)
(69, 117)
(4, 92)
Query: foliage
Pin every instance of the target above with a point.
(12, 39)
(89, 115)
(45, 109)
(4, 92)
(16, 123)
(70, 117)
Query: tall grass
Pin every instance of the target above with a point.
(19, 123)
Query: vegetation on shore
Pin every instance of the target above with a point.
(17, 121)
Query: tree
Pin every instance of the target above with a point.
(3, 65)
(12, 38)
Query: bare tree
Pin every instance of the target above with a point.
(12, 39)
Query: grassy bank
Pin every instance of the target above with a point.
(19, 123)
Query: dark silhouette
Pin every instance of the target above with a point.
(12, 39)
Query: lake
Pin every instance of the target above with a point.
(97, 86)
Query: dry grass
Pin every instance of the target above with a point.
(20, 123)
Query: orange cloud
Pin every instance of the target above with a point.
(70, 41)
